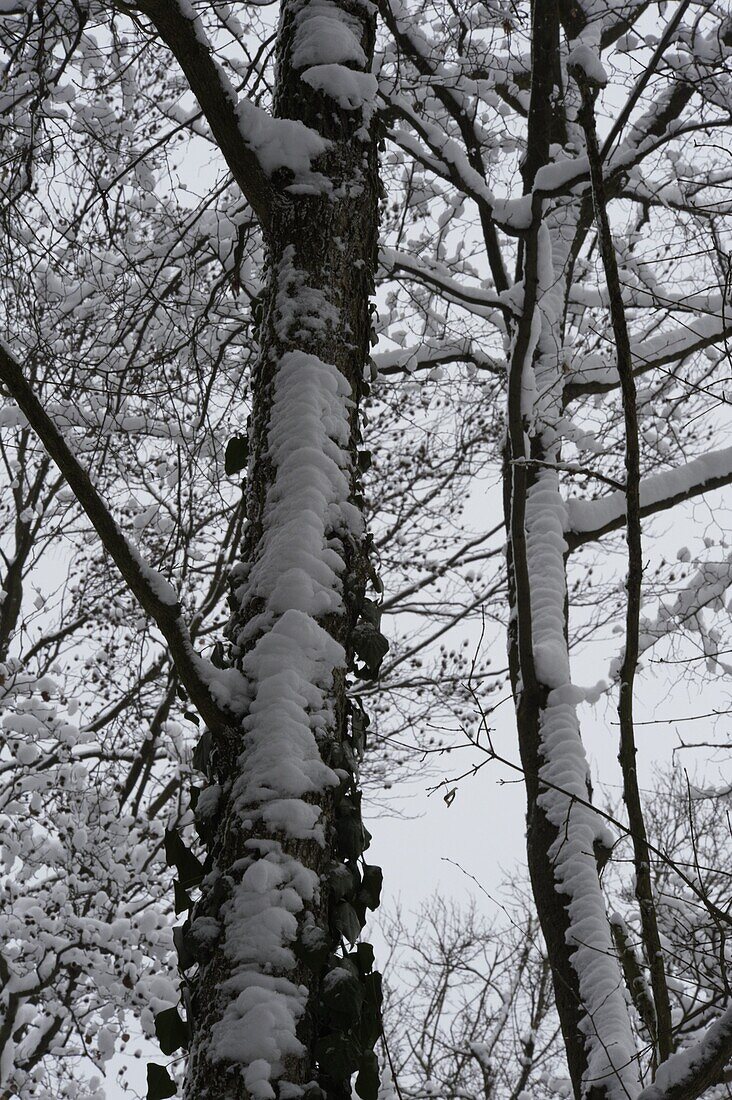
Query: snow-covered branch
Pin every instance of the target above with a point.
(595, 375)
(590, 519)
(691, 1072)
(431, 354)
(254, 144)
(479, 302)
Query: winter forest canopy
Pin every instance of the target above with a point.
(364, 429)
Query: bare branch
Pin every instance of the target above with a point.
(152, 592)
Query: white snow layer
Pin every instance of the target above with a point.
(326, 35)
(327, 45)
(582, 56)
(156, 582)
(566, 769)
(593, 515)
(260, 922)
(349, 88)
(297, 577)
(279, 142)
(682, 1068)
(308, 440)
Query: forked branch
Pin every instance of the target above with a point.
(150, 589)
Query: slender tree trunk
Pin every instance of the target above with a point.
(662, 1031)
(283, 813)
(562, 829)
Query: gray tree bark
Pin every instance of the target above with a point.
(321, 254)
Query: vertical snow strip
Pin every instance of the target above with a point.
(563, 769)
(267, 909)
(296, 580)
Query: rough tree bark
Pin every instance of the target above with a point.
(286, 835)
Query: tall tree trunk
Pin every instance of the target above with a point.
(562, 829)
(283, 814)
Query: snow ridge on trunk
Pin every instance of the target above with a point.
(547, 712)
(290, 672)
(266, 930)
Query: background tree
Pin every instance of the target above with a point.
(618, 273)
(468, 1004)
(468, 1008)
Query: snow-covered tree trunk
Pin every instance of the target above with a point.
(283, 813)
(279, 999)
(562, 829)
(580, 303)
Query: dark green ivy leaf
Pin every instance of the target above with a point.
(367, 1082)
(312, 947)
(201, 751)
(186, 958)
(370, 892)
(342, 997)
(364, 956)
(371, 646)
(337, 1056)
(171, 1030)
(372, 986)
(236, 455)
(344, 881)
(313, 1091)
(182, 901)
(188, 866)
(351, 835)
(159, 1082)
(345, 919)
(376, 580)
(371, 613)
(360, 722)
(371, 1026)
